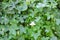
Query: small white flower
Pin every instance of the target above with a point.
(32, 23)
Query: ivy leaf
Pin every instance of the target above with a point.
(4, 20)
(21, 19)
(35, 35)
(21, 38)
(22, 29)
(44, 38)
(5, 5)
(13, 29)
(40, 5)
(13, 21)
(22, 7)
(37, 19)
(12, 32)
(54, 38)
(9, 11)
(57, 21)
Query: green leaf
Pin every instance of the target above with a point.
(12, 32)
(23, 7)
(40, 5)
(22, 29)
(53, 38)
(21, 38)
(57, 21)
(37, 19)
(44, 38)
(4, 20)
(13, 21)
(36, 35)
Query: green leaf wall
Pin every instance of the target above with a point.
(29, 20)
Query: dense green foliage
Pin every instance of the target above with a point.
(29, 20)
